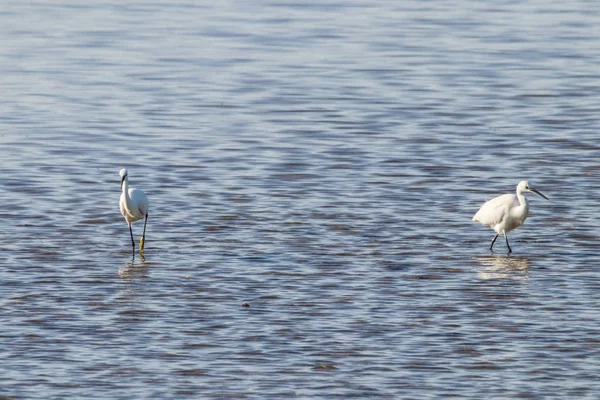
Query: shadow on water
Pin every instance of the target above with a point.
(497, 266)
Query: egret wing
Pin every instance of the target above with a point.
(138, 197)
(493, 211)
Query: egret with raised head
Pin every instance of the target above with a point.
(134, 206)
(507, 212)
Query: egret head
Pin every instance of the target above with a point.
(123, 174)
(524, 186)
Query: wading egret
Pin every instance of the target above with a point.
(134, 206)
(506, 212)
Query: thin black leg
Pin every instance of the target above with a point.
(507, 245)
(145, 222)
(144, 234)
(493, 241)
(132, 241)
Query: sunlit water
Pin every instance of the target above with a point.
(312, 170)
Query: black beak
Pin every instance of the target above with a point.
(123, 180)
(538, 192)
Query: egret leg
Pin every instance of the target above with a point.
(493, 241)
(132, 241)
(507, 245)
(144, 234)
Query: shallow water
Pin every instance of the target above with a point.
(317, 162)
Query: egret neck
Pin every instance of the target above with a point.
(522, 200)
(125, 188)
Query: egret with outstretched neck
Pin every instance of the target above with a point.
(506, 212)
(134, 206)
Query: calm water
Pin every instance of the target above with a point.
(319, 161)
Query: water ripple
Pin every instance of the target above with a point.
(312, 170)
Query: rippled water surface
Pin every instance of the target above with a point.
(312, 170)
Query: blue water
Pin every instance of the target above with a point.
(312, 171)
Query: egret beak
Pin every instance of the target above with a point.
(123, 180)
(537, 192)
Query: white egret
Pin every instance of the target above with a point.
(506, 212)
(134, 206)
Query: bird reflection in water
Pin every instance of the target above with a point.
(132, 270)
(132, 274)
(497, 266)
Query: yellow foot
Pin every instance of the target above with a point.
(142, 244)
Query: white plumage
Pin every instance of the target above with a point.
(134, 206)
(507, 212)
